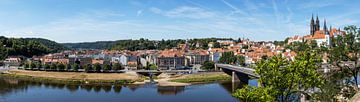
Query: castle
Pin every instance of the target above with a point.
(321, 36)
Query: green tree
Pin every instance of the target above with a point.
(46, 67)
(228, 58)
(53, 66)
(344, 54)
(106, 67)
(67, 67)
(152, 67)
(75, 67)
(38, 65)
(32, 65)
(217, 45)
(208, 65)
(253, 94)
(97, 67)
(117, 66)
(88, 68)
(240, 60)
(286, 78)
(60, 67)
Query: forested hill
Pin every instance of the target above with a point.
(54, 46)
(143, 44)
(27, 47)
(91, 45)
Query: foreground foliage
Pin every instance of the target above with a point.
(284, 80)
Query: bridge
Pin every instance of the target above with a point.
(238, 73)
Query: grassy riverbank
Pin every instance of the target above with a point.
(203, 78)
(74, 77)
(114, 78)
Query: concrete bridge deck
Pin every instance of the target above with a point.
(238, 73)
(248, 71)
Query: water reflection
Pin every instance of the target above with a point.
(10, 87)
(170, 90)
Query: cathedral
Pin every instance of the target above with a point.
(315, 26)
(321, 36)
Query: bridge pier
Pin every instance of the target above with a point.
(239, 77)
(234, 77)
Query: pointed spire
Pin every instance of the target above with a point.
(325, 28)
(317, 18)
(317, 23)
(312, 17)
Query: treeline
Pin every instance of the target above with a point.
(73, 67)
(145, 44)
(91, 45)
(27, 47)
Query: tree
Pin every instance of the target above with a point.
(208, 65)
(97, 67)
(106, 67)
(228, 58)
(88, 68)
(344, 54)
(32, 65)
(75, 67)
(217, 45)
(253, 94)
(152, 67)
(67, 67)
(3, 51)
(240, 60)
(38, 65)
(117, 66)
(286, 78)
(60, 67)
(46, 67)
(53, 66)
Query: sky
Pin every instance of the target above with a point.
(98, 20)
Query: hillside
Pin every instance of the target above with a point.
(143, 44)
(91, 45)
(27, 47)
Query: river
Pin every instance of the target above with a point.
(14, 90)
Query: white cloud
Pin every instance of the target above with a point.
(184, 12)
(139, 12)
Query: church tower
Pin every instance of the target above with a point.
(326, 32)
(317, 24)
(312, 26)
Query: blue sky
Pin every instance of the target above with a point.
(97, 20)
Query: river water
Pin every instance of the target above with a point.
(14, 90)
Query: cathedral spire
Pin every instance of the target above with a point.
(312, 26)
(317, 24)
(325, 28)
